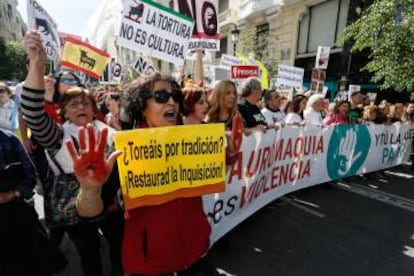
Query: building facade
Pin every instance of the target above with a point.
(12, 26)
(300, 27)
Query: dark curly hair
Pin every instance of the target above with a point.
(134, 99)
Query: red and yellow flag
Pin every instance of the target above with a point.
(78, 55)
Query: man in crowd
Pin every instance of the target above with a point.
(355, 113)
(250, 112)
(274, 116)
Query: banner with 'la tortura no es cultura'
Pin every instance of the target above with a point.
(155, 30)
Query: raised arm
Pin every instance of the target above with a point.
(47, 132)
(199, 72)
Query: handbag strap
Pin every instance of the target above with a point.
(56, 163)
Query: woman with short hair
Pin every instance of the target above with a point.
(77, 110)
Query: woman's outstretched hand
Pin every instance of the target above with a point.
(91, 168)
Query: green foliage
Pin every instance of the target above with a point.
(387, 29)
(13, 60)
(263, 47)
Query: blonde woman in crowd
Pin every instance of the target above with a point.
(223, 103)
(223, 109)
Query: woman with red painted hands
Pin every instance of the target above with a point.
(77, 110)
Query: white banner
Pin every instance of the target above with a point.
(206, 32)
(155, 30)
(116, 71)
(276, 163)
(226, 61)
(204, 44)
(39, 19)
(142, 66)
(322, 57)
(288, 77)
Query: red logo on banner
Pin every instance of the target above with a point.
(244, 71)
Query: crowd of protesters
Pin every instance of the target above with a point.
(168, 239)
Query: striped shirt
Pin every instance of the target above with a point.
(48, 133)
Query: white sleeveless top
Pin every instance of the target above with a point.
(62, 156)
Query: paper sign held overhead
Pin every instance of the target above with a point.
(206, 32)
(318, 80)
(244, 71)
(116, 71)
(142, 66)
(322, 57)
(288, 77)
(226, 61)
(39, 19)
(152, 29)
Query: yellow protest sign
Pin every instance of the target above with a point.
(165, 163)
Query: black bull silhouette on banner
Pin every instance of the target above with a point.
(86, 60)
(136, 11)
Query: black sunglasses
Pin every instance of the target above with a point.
(162, 96)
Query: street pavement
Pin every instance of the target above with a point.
(359, 227)
(331, 229)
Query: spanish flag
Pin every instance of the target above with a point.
(263, 70)
(80, 56)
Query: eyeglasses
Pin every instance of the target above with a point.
(162, 96)
(69, 81)
(76, 104)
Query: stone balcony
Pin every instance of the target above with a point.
(253, 8)
(227, 16)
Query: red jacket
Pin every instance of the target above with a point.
(165, 238)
